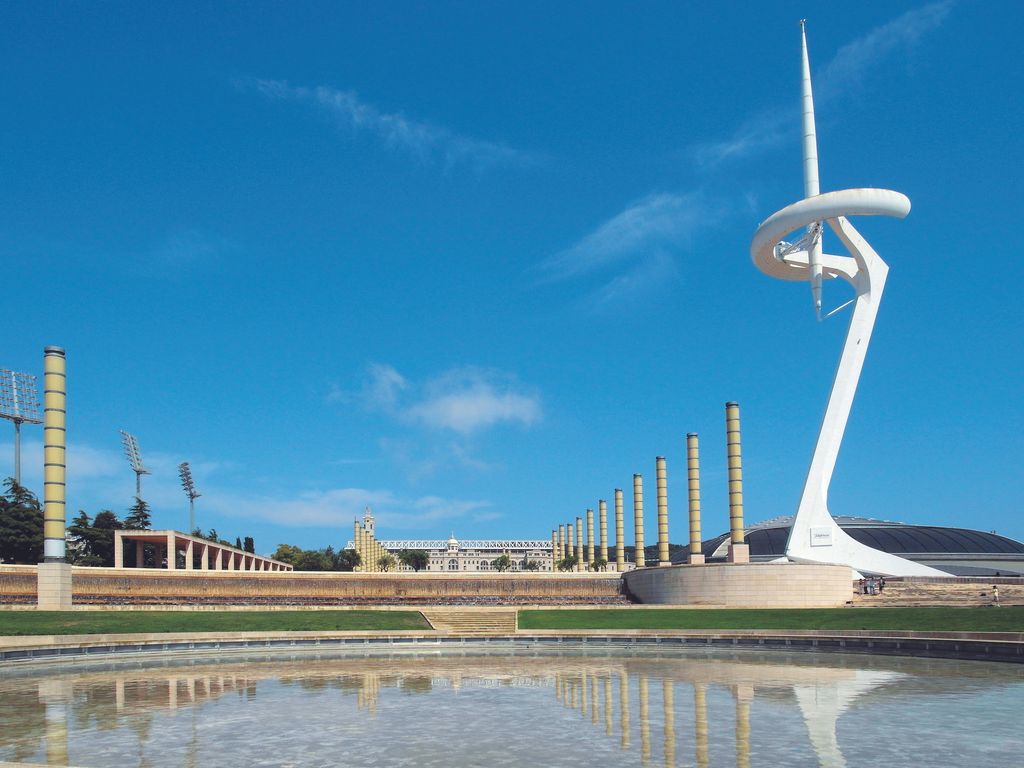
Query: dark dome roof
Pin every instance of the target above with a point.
(768, 539)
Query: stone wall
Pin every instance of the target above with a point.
(743, 585)
(138, 586)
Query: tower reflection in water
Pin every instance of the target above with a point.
(713, 708)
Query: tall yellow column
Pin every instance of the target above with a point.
(355, 542)
(554, 548)
(579, 543)
(53, 575)
(54, 449)
(620, 533)
(568, 541)
(661, 473)
(590, 538)
(693, 483)
(561, 542)
(739, 552)
(638, 521)
(700, 722)
(602, 529)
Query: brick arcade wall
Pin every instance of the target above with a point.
(138, 586)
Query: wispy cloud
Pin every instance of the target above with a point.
(656, 222)
(427, 142)
(845, 72)
(464, 400)
(469, 399)
(638, 244)
(338, 507)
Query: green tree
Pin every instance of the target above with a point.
(249, 545)
(349, 560)
(79, 551)
(386, 562)
(314, 560)
(502, 563)
(138, 518)
(288, 553)
(531, 565)
(102, 537)
(568, 563)
(599, 564)
(238, 543)
(416, 559)
(21, 525)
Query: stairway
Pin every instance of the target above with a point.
(472, 621)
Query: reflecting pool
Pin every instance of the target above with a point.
(682, 707)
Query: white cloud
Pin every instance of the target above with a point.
(427, 142)
(466, 400)
(846, 71)
(639, 242)
(463, 400)
(338, 507)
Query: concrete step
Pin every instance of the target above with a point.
(472, 621)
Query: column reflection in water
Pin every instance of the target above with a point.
(55, 694)
(669, 714)
(593, 697)
(743, 695)
(645, 722)
(608, 725)
(624, 708)
(583, 692)
(700, 719)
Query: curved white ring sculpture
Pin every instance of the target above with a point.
(815, 537)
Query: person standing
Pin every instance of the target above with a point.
(995, 595)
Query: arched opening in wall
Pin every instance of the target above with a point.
(453, 564)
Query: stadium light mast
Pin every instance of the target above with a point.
(134, 456)
(19, 402)
(185, 473)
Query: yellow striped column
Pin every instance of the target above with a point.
(561, 541)
(355, 542)
(554, 549)
(620, 533)
(693, 485)
(661, 473)
(54, 453)
(602, 523)
(579, 543)
(568, 540)
(738, 550)
(590, 538)
(638, 521)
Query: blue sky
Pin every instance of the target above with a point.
(475, 264)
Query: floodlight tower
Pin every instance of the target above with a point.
(185, 473)
(815, 537)
(19, 402)
(131, 451)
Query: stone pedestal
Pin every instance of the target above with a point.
(696, 560)
(739, 553)
(53, 586)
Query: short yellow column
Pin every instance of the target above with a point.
(579, 543)
(739, 552)
(638, 521)
(590, 538)
(620, 533)
(661, 474)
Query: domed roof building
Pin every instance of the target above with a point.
(958, 551)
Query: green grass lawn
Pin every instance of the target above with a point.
(979, 619)
(102, 622)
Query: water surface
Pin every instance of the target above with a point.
(682, 707)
